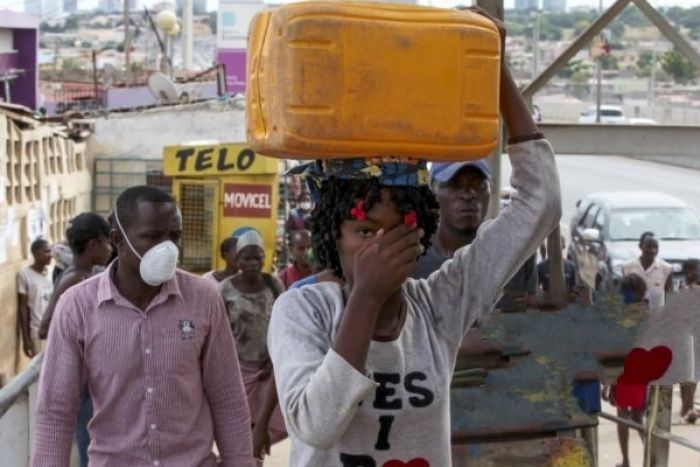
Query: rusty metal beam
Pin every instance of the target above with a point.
(657, 19)
(579, 43)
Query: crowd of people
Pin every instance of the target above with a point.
(348, 350)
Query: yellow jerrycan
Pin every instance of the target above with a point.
(338, 79)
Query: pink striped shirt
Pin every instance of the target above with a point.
(165, 382)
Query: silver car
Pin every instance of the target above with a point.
(606, 228)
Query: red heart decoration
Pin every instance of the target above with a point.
(643, 366)
(417, 462)
(630, 395)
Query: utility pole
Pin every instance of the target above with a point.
(599, 75)
(187, 26)
(127, 43)
(652, 76)
(495, 8)
(536, 45)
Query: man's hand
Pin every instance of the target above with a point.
(261, 441)
(29, 348)
(384, 262)
(266, 372)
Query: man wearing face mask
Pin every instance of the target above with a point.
(154, 346)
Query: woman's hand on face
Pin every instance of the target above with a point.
(385, 261)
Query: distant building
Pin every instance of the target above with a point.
(109, 6)
(554, 6)
(70, 6)
(199, 6)
(33, 7)
(527, 4)
(18, 57)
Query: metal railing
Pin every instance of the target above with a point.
(17, 407)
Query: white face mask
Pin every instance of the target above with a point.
(305, 206)
(158, 264)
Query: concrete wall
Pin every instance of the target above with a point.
(623, 140)
(141, 96)
(143, 135)
(44, 182)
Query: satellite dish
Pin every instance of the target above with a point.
(163, 88)
(112, 74)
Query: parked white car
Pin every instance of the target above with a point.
(609, 114)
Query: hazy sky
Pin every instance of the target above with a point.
(212, 4)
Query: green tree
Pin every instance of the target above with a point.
(212, 21)
(578, 73)
(72, 23)
(644, 63)
(609, 62)
(678, 67)
(70, 64)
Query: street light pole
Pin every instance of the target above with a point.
(127, 43)
(599, 75)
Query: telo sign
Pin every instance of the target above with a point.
(242, 200)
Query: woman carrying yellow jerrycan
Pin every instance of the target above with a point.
(363, 369)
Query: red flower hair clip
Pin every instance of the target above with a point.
(358, 212)
(411, 219)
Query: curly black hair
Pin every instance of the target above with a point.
(338, 197)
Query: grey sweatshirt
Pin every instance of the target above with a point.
(399, 411)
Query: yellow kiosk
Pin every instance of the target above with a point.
(222, 190)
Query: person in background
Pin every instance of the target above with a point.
(249, 296)
(34, 289)
(543, 269)
(320, 274)
(633, 289)
(657, 273)
(299, 246)
(691, 272)
(463, 191)
(63, 258)
(88, 238)
(299, 217)
(152, 344)
(227, 250)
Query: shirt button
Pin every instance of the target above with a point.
(153, 426)
(148, 351)
(149, 390)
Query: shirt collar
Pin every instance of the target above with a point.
(107, 290)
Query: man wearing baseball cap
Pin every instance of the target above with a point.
(463, 190)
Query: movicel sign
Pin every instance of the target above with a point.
(244, 200)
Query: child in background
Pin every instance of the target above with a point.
(227, 250)
(691, 271)
(633, 289)
(299, 247)
(363, 369)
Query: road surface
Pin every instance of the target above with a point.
(581, 175)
